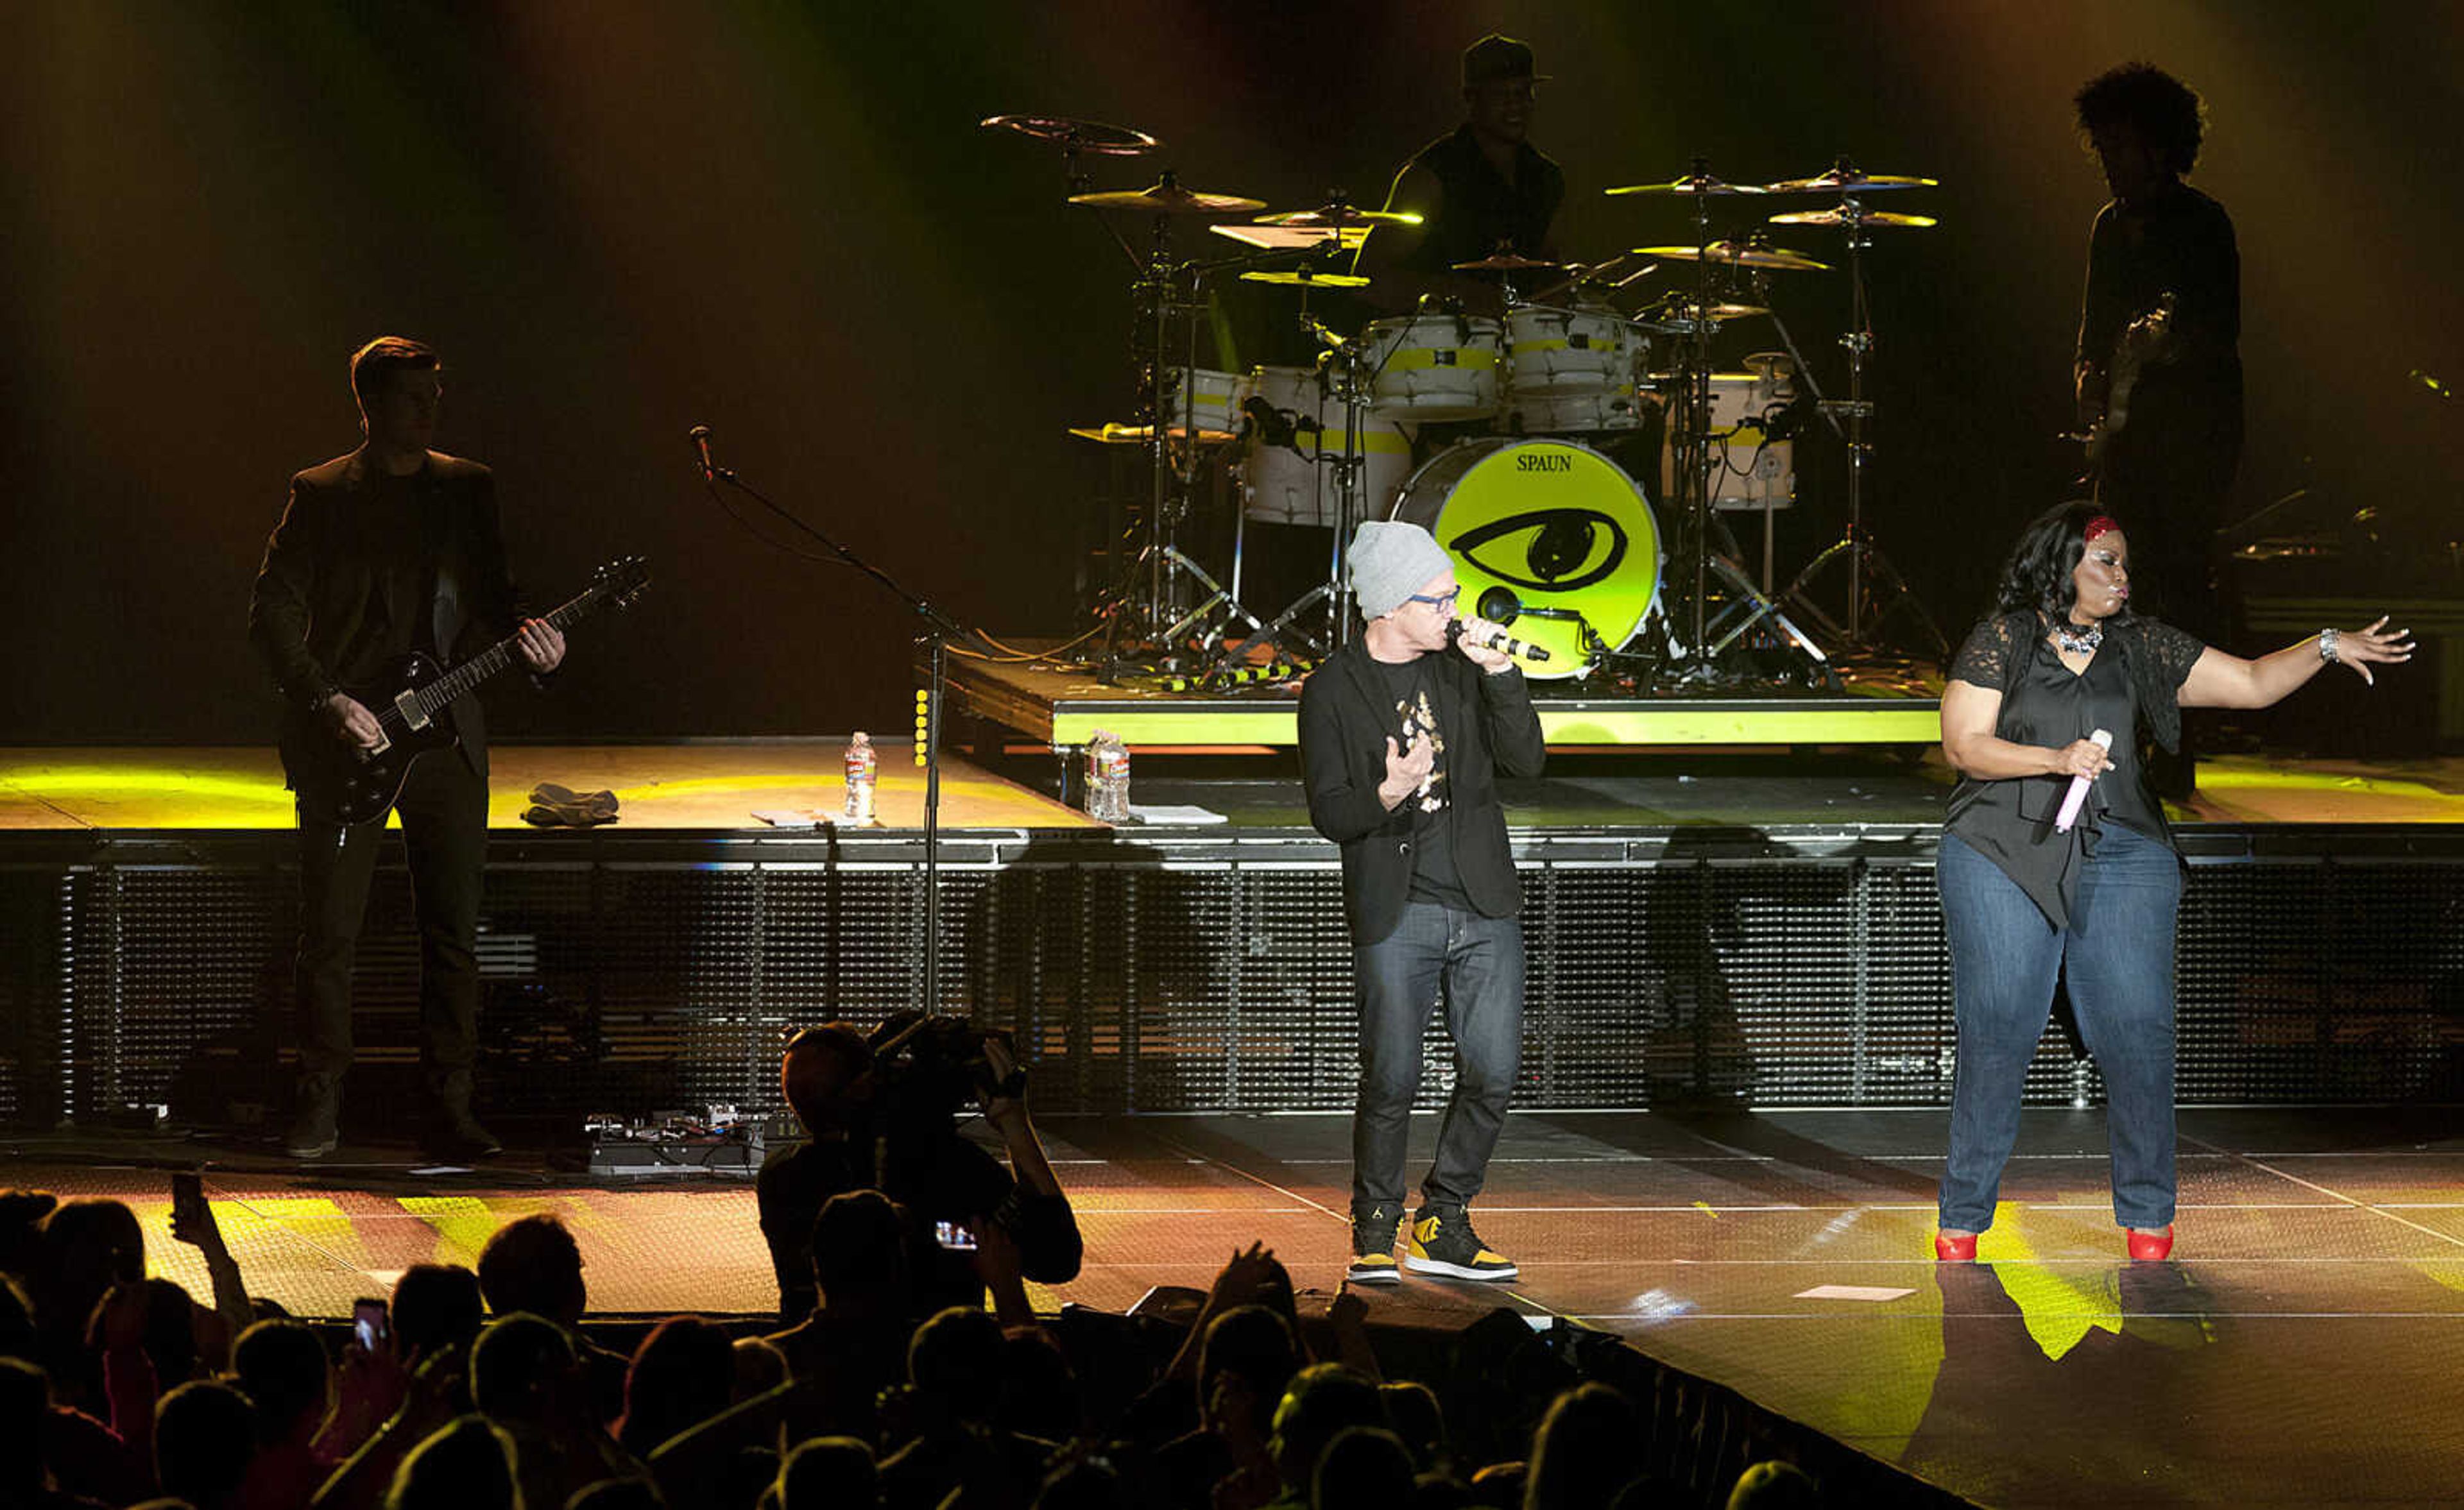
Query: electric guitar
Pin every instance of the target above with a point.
(2147, 338)
(340, 783)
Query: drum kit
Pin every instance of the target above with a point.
(1515, 437)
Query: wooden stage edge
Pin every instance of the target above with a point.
(1063, 707)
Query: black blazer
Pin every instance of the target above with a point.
(1491, 729)
(312, 617)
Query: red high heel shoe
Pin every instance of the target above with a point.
(1955, 1250)
(2151, 1247)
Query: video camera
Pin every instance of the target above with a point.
(934, 1066)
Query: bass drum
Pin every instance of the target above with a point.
(1557, 524)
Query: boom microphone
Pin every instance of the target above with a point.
(699, 435)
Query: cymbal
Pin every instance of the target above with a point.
(1290, 238)
(1078, 136)
(1679, 319)
(1118, 434)
(1304, 278)
(1840, 215)
(1331, 216)
(1846, 179)
(1166, 197)
(1691, 184)
(1505, 262)
(1738, 255)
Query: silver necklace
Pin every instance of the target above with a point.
(2075, 641)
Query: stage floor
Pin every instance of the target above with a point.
(695, 784)
(716, 786)
(2300, 1349)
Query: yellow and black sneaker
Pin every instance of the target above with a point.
(1442, 1242)
(1373, 1247)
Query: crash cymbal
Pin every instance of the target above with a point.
(1078, 136)
(1304, 278)
(1326, 217)
(1848, 179)
(1852, 215)
(1691, 184)
(1506, 262)
(1679, 319)
(1166, 197)
(1290, 238)
(1118, 434)
(1738, 255)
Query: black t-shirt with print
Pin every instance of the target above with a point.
(1413, 693)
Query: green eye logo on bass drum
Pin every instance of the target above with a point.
(1557, 524)
(1564, 553)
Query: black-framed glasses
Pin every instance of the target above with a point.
(1443, 600)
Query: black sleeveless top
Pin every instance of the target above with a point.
(1481, 209)
(2011, 820)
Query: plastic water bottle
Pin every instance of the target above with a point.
(861, 766)
(1107, 778)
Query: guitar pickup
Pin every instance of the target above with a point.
(407, 704)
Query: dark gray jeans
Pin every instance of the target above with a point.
(1476, 964)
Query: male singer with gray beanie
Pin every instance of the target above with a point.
(1403, 735)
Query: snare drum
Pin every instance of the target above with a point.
(1749, 470)
(1557, 524)
(1432, 368)
(1296, 483)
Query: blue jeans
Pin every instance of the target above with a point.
(2004, 959)
(1476, 963)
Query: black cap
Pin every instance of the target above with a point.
(1494, 60)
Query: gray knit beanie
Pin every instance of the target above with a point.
(1390, 561)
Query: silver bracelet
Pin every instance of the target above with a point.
(2327, 645)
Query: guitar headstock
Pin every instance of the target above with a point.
(621, 581)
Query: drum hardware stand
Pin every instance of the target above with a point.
(1690, 437)
(1864, 557)
(1160, 563)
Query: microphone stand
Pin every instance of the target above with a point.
(938, 628)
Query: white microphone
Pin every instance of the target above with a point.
(2069, 814)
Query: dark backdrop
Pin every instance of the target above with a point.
(620, 217)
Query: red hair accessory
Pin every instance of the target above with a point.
(2102, 524)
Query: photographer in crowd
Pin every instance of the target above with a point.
(883, 1115)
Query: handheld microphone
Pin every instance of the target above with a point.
(699, 435)
(2069, 814)
(1500, 639)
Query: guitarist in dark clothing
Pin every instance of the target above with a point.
(2158, 366)
(389, 550)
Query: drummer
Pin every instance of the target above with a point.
(1482, 187)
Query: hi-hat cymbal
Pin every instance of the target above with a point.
(1844, 215)
(1738, 255)
(1304, 278)
(1505, 262)
(1166, 197)
(1078, 136)
(1847, 178)
(1690, 184)
(1328, 217)
(1118, 434)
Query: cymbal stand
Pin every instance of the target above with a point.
(1161, 564)
(1856, 630)
(1690, 437)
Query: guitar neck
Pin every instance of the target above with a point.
(481, 667)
